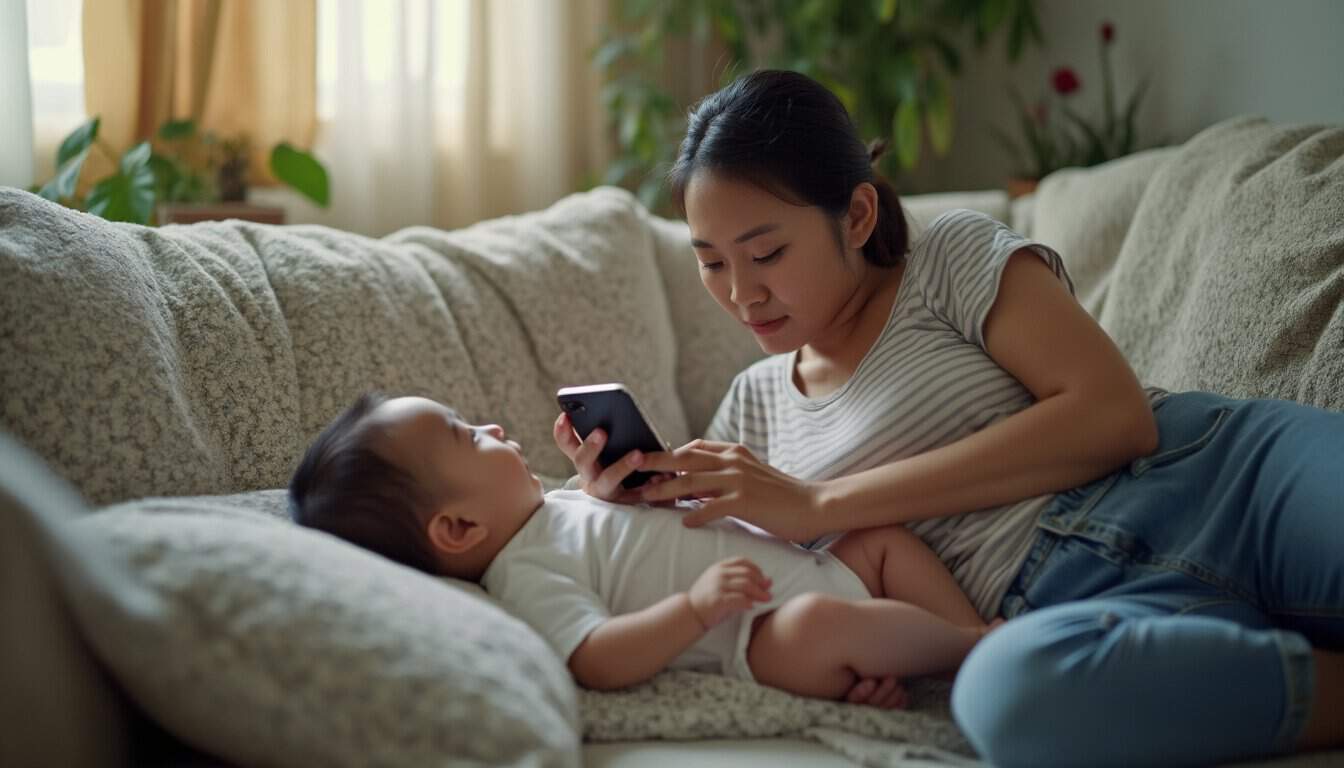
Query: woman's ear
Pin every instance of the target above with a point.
(453, 534)
(861, 219)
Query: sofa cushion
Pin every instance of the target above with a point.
(1230, 279)
(1085, 213)
(59, 705)
(279, 645)
(201, 359)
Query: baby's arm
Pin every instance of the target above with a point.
(631, 648)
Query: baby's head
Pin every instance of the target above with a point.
(406, 478)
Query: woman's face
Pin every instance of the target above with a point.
(779, 268)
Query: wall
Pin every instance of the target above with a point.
(1207, 60)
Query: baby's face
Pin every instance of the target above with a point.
(452, 459)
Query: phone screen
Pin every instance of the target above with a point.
(612, 408)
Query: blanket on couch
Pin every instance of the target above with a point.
(1231, 276)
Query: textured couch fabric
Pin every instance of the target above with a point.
(200, 360)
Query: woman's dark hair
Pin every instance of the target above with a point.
(345, 488)
(788, 134)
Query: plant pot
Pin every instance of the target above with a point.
(1017, 187)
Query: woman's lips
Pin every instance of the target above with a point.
(769, 327)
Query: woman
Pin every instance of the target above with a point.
(1171, 559)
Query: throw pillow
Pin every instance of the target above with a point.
(279, 645)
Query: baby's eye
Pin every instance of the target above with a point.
(770, 256)
(711, 266)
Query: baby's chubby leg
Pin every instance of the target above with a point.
(895, 563)
(819, 645)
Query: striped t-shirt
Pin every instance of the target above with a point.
(927, 381)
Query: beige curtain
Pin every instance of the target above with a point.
(444, 113)
(237, 67)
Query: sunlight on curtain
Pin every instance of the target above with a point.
(446, 113)
(56, 70)
(16, 119)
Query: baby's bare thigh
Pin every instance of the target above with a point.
(863, 551)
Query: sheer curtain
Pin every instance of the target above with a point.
(16, 121)
(446, 113)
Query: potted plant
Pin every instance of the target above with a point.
(188, 166)
(1055, 135)
(891, 64)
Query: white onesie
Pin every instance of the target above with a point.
(579, 561)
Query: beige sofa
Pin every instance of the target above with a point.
(170, 378)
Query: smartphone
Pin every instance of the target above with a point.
(613, 408)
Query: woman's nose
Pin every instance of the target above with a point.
(493, 430)
(744, 291)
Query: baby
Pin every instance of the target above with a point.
(622, 592)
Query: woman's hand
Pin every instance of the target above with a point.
(734, 482)
(597, 481)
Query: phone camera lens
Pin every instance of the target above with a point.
(575, 407)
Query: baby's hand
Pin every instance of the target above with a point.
(728, 587)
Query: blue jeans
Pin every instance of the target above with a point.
(1167, 611)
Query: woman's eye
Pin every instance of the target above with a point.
(769, 257)
(711, 266)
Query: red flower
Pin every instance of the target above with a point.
(1107, 32)
(1065, 81)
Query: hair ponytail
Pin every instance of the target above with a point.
(789, 135)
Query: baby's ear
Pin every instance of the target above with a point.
(453, 534)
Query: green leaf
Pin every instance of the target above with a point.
(135, 157)
(905, 128)
(166, 176)
(125, 196)
(66, 180)
(1096, 150)
(78, 141)
(177, 129)
(611, 51)
(886, 10)
(938, 115)
(301, 171)
(948, 53)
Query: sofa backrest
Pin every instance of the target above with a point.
(1231, 275)
(202, 359)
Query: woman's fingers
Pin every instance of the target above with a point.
(565, 439)
(696, 485)
(585, 459)
(708, 512)
(685, 459)
(608, 482)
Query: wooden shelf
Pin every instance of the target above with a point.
(188, 213)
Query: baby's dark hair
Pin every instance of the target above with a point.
(344, 487)
(789, 135)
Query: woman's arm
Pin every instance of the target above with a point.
(1090, 417)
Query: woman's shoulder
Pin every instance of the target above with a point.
(957, 229)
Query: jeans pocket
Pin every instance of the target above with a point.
(1163, 458)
